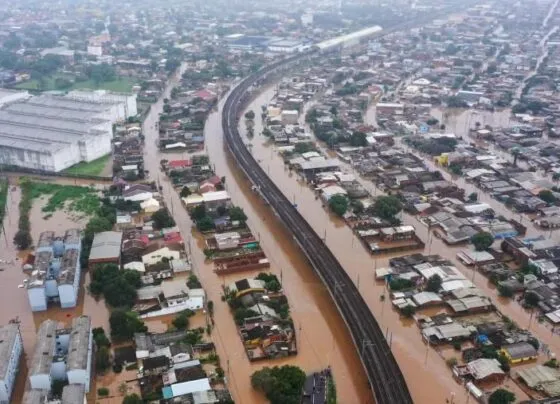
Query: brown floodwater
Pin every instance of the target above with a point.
(321, 335)
(434, 383)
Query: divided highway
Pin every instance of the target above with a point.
(385, 377)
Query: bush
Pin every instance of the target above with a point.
(102, 359)
(434, 283)
(451, 362)
(132, 399)
(281, 385)
(482, 241)
(250, 115)
(408, 311)
(338, 204)
(501, 396)
(505, 291)
(237, 214)
(205, 224)
(400, 284)
(23, 239)
(124, 324)
(103, 391)
(457, 345)
(163, 219)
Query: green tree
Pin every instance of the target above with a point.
(386, 207)
(163, 219)
(547, 196)
(185, 192)
(237, 214)
(181, 321)
(124, 324)
(205, 224)
(473, 197)
(100, 338)
(358, 139)
(198, 212)
(250, 115)
(281, 385)
(501, 396)
(23, 240)
(482, 241)
(434, 283)
(132, 399)
(505, 291)
(102, 359)
(532, 299)
(408, 310)
(338, 204)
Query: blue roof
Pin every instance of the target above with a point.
(167, 392)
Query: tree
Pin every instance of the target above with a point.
(185, 191)
(62, 84)
(482, 241)
(505, 290)
(132, 399)
(473, 197)
(100, 338)
(23, 240)
(205, 224)
(532, 299)
(198, 212)
(163, 219)
(124, 324)
(338, 204)
(250, 115)
(386, 207)
(273, 286)
(181, 321)
(281, 385)
(408, 311)
(358, 139)
(102, 359)
(237, 214)
(547, 196)
(167, 108)
(434, 283)
(501, 396)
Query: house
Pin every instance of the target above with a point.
(177, 293)
(106, 248)
(228, 240)
(137, 193)
(155, 365)
(486, 370)
(181, 389)
(245, 286)
(150, 205)
(158, 255)
(11, 349)
(519, 352)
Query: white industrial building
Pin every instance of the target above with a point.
(52, 133)
(56, 271)
(62, 354)
(11, 348)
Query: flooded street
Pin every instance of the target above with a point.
(434, 383)
(321, 334)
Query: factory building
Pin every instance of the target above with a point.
(56, 271)
(63, 354)
(11, 348)
(52, 133)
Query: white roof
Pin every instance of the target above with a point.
(476, 207)
(136, 266)
(215, 196)
(180, 389)
(332, 190)
(425, 298)
(149, 203)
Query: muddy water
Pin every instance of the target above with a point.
(434, 383)
(16, 304)
(321, 335)
(459, 121)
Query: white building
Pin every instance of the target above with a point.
(56, 271)
(62, 354)
(284, 46)
(11, 348)
(52, 133)
(124, 105)
(11, 96)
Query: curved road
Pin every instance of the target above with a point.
(383, 372)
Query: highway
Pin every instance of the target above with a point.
(385, 377)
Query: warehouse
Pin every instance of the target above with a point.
(52, 133)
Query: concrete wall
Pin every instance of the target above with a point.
(40, 381)
(37, 299)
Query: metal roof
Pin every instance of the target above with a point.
(9, 334)
(44, 348)
(106, 245)
(78, 346)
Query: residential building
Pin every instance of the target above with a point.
(106, 248)
(62, 354)
(11, 348)
(56, 271)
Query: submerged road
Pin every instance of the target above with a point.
(384, 375)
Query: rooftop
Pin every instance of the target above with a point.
(106, 245)
(44, 348)
(73, 393)
(8, 336)
(79, 343)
